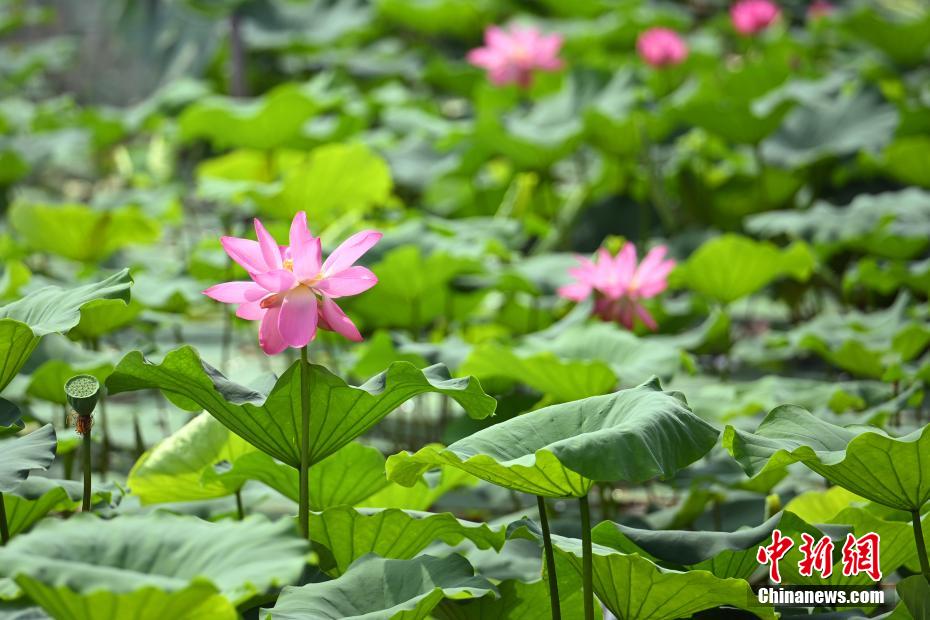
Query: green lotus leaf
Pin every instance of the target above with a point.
(903, 157)
(822, 505)
(889, 224)
(864, 460)
(904, 38)
(560, 451)
(26, 506)
(632, 359)
(36, 496)
(103, 316)
(713, 399)
(381, 589)
(632, 586)
(832, 127)
(273, 120)
(734, 117)
(82, 233)
(45, 311)
(424, 493)
(415, 290)
(348, 533)
(338, 412)
(173, 470)
(729, 267)
(378, 352)
(10, 419)
(522, 601)
(561, 380)
(138, 562)
(866, 344)
(47, 381)
(21, 455)
(456, 17)
(345, 478)
(330, 182)
(915, 594)
(197, 601)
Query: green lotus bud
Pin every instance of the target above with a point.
(82, 392)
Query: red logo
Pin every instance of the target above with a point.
(773, 553)
(860, 555)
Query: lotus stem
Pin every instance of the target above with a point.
(237, 86)
(240, 509)
(85, 498)
(550, 560)
(921, 545)
(304, 478)
(587, 566)
(4, 528)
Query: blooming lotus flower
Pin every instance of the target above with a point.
(619, 284)
(292, 289)
(512, 57)
(661, 47)
(752, 16)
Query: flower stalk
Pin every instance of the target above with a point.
(85, 424)
(921, 545)
(550, 560)
(4, 527)
(587, 566)
(304, 477)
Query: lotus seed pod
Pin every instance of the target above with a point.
(82, 392)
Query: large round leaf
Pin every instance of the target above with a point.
(631, 435)
(729, 267)
(378, 589)
(173, 471)
(21, 455)
(891, 471)
(349, 533)
(150, 563)
(562, 380)
(45, 311)
(82, 233)
(338, 412)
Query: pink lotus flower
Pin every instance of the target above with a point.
(619, 284)
(292, 291)
(511, 57)
(661, 47)
(752, 16)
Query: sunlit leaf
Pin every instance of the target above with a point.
(863, 460)
(560, 451)
(378, 589)
(349, 533)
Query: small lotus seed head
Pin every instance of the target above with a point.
(82, 392)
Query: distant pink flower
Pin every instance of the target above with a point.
(619, 285)
(661, 47)
(292, 290)
(819, 9)
(512, 57)
(752, 16)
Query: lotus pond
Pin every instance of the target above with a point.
(464, 309)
